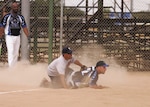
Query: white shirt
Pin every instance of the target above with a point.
(58, 66)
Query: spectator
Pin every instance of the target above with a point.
(11, 25)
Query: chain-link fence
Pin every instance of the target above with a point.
(121, 32)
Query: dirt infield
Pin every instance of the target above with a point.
(19, 87)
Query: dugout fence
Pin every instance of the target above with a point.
(123, 34)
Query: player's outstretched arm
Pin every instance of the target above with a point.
(98, 86)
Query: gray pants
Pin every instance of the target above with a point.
(56, 82)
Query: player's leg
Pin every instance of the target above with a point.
(16, 48)
(45, 83)
(10, 49)
(56, 82)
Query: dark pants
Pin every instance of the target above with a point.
(56, 82)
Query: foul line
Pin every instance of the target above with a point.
(17, 91)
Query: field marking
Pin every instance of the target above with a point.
(18, 91)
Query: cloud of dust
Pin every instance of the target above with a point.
(23, 74)
(32, 75)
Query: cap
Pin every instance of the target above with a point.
(101, 63)
(66, 50)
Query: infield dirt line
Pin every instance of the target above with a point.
(18, 91)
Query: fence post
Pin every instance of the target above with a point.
(25, 11)
(50, 30)
(100, 21)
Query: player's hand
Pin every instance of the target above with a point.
(83, 67)
(101, 87)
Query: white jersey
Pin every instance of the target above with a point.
(58, 66)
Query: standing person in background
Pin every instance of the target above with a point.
(11, 25)
(57, 69)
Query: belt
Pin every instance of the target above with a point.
(13, 35)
